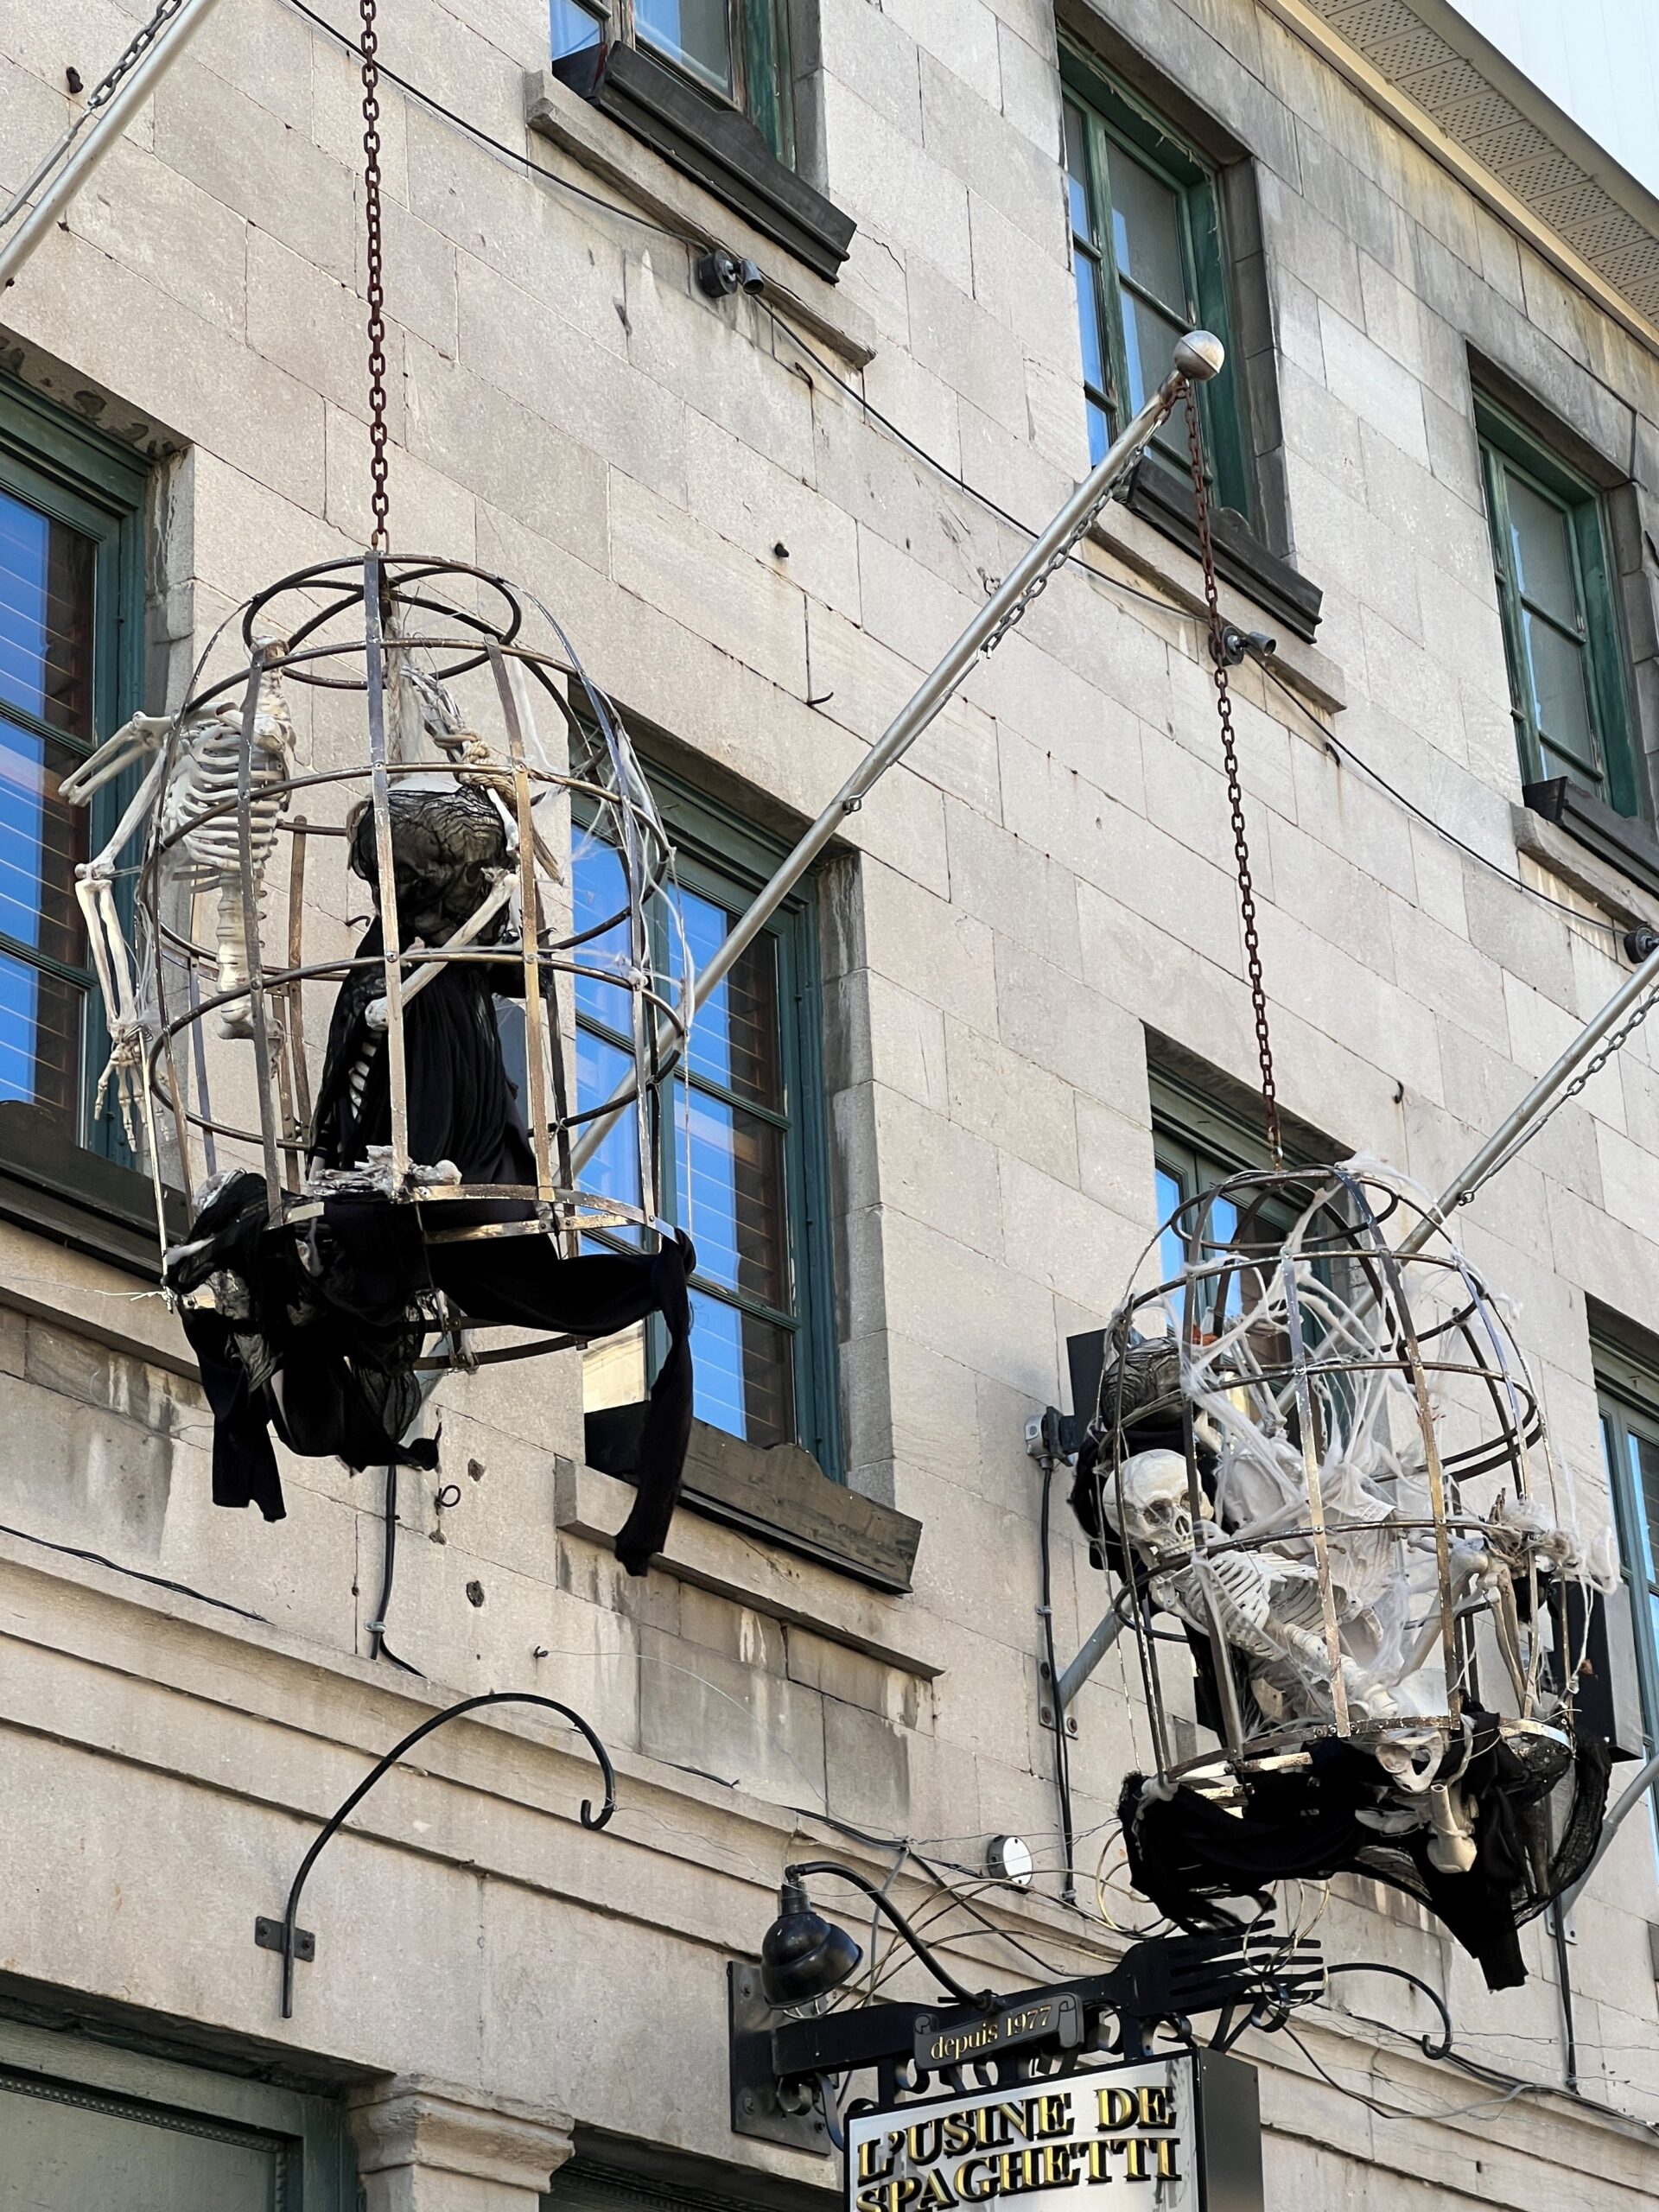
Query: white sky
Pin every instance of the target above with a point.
(1597, 59)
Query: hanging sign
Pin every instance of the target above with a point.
(1084, 2136)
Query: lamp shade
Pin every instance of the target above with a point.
(804, 1955)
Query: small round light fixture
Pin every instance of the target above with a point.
(804, 1955)
(1008, 1859)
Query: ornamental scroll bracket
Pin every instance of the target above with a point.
(292, 1941)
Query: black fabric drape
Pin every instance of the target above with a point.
(317, 1325)
(1189, 1855)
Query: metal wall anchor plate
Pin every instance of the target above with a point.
(758, 2109)
(268, 1934)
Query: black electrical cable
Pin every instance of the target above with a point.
(1163, 606)
(379, 1648)
(798, 1875)
(496, 145)
(1472, 852)
(903, 1844)
(1443, 2049)
(160, 1581)
(1061, 1759)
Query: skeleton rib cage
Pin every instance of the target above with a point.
(1323, 1456)
(411, 678)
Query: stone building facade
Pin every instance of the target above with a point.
(1017, 1012)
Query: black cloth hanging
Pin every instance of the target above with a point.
(317, 1325)
(1189, 1855)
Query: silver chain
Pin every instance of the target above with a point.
(140, 44)
(1580, 1082)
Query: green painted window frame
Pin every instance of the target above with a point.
(758, 33)
(1199, 1145)
(1627, 1393)
(1114, 115)
(1506, 447)
(123, 2075)
(725, 858)
(70, 471)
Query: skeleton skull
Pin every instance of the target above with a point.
(1155, 1514)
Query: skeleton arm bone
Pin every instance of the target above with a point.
(143, 733)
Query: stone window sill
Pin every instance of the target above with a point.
(1164, 499)
(58, 1189)
(781, 1496)
(690, 166)
(1619, 845)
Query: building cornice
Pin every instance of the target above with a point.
(1420, 63)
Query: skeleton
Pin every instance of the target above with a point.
(193, 786)
(1266, 1607)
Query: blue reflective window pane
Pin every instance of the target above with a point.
(744, 1370)
(46, 604)
(1222, 1227)
(1099, 434)
(1644, 1473)
(613, 1171)
(572, 29)
(1172, 1255)
(729, 1193)
(599, 892)
(695, 33)
(41, 842)
(734, 1039)
(41, 1022)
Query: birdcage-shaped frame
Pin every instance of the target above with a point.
(1413, 1318)
(373, 627)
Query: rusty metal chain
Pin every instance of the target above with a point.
(1234, 794)
(375, 272)
(141, 40)
(1040, 582)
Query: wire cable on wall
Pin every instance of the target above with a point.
(693, 240)
(136, 1574)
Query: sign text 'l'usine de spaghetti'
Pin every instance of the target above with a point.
(1083, 2137)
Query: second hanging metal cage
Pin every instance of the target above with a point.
(1318, 1449)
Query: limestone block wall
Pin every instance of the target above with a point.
(1046, 879)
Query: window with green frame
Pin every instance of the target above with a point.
(1149, 254)
(1629, 1397)
(1561, 633)
(1201, 1138)
(70, 645)
(746, 1173)
(736, 52)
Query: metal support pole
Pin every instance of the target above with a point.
(84, 146)
(1110, 1627)
(1520, 1120)
(1634, 1792)
(1199, 357)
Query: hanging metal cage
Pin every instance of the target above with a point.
(1316, 1450)
(400, 719)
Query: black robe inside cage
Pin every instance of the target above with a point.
(317, 1324)
(1189, 1855)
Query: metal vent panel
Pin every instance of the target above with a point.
(1409, 52)
(1394, 40)
(1363, 22)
